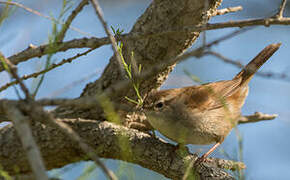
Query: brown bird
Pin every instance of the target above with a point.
(203, 114)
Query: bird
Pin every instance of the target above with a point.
(203, 114)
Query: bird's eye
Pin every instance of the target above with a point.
(159, 105)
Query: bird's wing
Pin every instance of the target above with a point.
(211, 96)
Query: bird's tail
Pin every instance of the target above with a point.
(252, 67)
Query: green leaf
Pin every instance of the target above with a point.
(131, 100)
(139, 68)
(113, 30)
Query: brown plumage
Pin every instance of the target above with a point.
(203, 114)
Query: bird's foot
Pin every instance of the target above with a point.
(200, 160)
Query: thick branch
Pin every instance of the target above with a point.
(25, 135)
(139, 148)
(159, 17)
(142, 149)
(22, 126)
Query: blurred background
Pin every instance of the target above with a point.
(263, 146)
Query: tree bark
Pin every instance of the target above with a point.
(110, 141)
(161, 15)
(107, 138)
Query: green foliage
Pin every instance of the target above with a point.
(5, 65)
(52, 39)
(109, 111)
(129, 70)
(4, 174)
(117, 32)
(6, 12)
(124, 144)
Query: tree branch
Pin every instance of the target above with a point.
(112, 39)
(105, 138)
(45, 16)
(88, 102)
(134, 36)
(258, 116)
(22, 126)
(157, 24)
(281, 9)
(69, 20)
(37, 113)
(51, 67)
(282, 76)
(28, 143)
(227, 10)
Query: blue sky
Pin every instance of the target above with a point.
(265, 144)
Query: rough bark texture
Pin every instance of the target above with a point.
(161, 15)
(149, 152)
(109, 141)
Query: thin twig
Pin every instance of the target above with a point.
(199, 51)
(71, 85)
(204, 24)
(51, 67)
(69, 20)
(42, 15)
(258, 116)
(12, 69)
(281, 9)
(88, 102)
(109, 34)
(121, 86)
(97, 130)
(98, 42)
(227, 10)
(80, 103)
(22, 126)
(236, 63)
(24, 133)
(113, 90)
(242, 23)
(37, 111)
(224, 59)
(180, 58)
(58, 37)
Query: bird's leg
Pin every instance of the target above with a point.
(204, 156)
